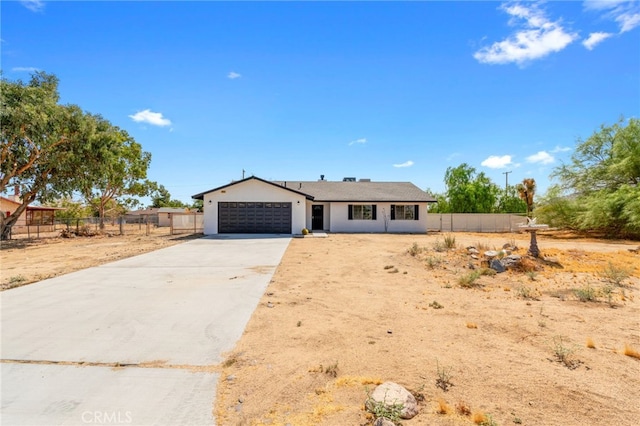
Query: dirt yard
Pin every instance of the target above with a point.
(24, 261)
(347, 312)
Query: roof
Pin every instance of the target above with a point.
(324, 190)
(173, 210)
(200, 196)
(30, 207)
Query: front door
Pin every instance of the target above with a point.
(317, 217)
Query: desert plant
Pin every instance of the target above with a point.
(564, 353)
(482, 419)
(607, 292)
(305, 231)
(531, 275)
(433, 261)
(443, 381)
(488, 272)
(380, 409)
(585, 294)
(469, 279)
(439, 246)
(526, 293)
(435, 305)
(17, 279)
(463, 409)
(414, 250)
(449, 241)
(443, 407)
(630, 351)
(331, 370)
(615, 274)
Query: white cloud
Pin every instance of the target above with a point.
(542, 157)
(628, 21)
(360, 141)
(405, 164)
(594, 39)
(559, 148)
(33, 5)
(25, 69)
(233, 75)
(536, 37)
(147, 116)
(497, 162)
(626, 13)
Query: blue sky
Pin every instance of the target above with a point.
(392, 91)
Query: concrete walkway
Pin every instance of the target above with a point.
(135, 341)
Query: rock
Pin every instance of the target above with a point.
(471, 266)
(511, 261)
(389, 394)
(381, 421)
(497, 266)
(473, 256)
(269, 305)
(490, 253)
(473, 250)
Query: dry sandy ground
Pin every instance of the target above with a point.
(347, 312)
(24, 261)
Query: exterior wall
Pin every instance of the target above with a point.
(256, 191)
(10, 206)
(475, 222)
(340, 222)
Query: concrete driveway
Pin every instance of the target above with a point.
(136, 341)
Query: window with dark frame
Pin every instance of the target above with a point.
(404, 212)
(362, 212)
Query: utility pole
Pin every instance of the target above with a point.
(242, 173)
(506, 182)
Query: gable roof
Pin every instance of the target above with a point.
(361, 191)
(200, 196)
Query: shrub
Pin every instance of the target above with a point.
(585, 294)
(449, 241)
(414, 250)
(469, 280)
(615, 275)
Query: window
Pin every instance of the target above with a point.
(40, 217)
(404, 212)
(362, 212)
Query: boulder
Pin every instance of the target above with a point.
(381, 421)
(390, 394)
(472, 250)
(490, 253)
(497, 266)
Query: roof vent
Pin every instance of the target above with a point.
(365, 180)
(349, 179)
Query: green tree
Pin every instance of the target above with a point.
(468, 191)
(160, 197)
(41, 147)
(510, 202)
(72, 210)
(114, 169)
(602, 181)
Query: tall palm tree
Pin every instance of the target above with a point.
(526, 191)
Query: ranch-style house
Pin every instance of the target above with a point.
(255, 205)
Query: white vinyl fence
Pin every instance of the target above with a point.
(187, 223)
(474, 222)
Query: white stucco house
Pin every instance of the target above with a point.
(255, 205)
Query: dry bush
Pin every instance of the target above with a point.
(443, 407)
(463, 409)
(471, 325)
(590, 343)
(630, 351)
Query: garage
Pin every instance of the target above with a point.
(254, 217)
